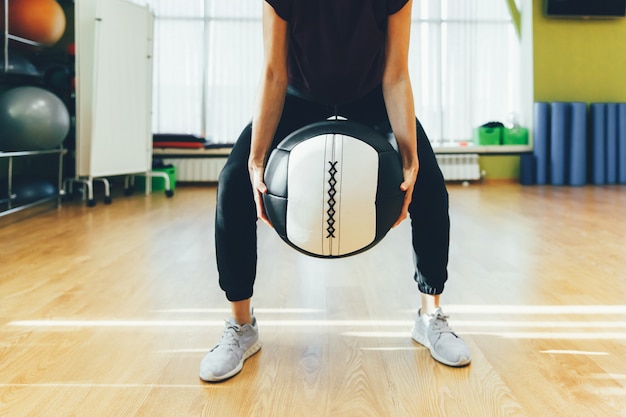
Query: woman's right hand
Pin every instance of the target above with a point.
(259, 188)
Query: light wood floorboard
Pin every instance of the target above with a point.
(107, 311)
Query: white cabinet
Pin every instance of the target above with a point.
(113, 90)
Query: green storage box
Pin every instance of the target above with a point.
(158, 183)
(515, 136)
(488, 135)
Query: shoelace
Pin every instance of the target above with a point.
(440, 324)
(230, 337)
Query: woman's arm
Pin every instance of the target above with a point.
(269, 102)
(398, 95)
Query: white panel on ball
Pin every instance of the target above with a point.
(357, 179)
(332, 211)
(305, 212)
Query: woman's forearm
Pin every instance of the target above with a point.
(400, 108)
(269, 106)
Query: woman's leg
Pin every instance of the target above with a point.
(236, 246)
(235, 222)
(429, 207)
(430, 221)
(431, 237)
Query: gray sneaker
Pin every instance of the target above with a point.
(444, 345)
(226, 359)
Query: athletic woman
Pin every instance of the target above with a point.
(322, 58)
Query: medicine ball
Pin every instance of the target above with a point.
(333, 188)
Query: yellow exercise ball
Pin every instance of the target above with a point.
(41, 21)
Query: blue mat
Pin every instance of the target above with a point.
(578, 148)
(541, 141)
(559, 133)
(598, 143)
(611, 143)
(621, 143)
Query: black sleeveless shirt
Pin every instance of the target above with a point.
(336, 47)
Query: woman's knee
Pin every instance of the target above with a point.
(233, 182)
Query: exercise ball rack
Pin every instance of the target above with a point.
(7, 205)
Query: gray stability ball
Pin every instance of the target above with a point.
(32, 119)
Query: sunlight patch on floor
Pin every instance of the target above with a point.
(552, 335)
(93, 385)
(227, 310)
(573, 352)
(546, 326)
(534, 309)
(391, 349)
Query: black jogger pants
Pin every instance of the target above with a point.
(235, 223)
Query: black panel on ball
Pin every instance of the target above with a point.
(342, 127)
(276, 210)
(276, 172)
(390, 197)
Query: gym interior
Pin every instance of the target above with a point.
(109, 167)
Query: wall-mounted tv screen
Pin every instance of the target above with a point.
(585, 8)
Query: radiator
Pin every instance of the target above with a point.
(457, 167)
(197, 169)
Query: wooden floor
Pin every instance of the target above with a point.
(107, 311)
